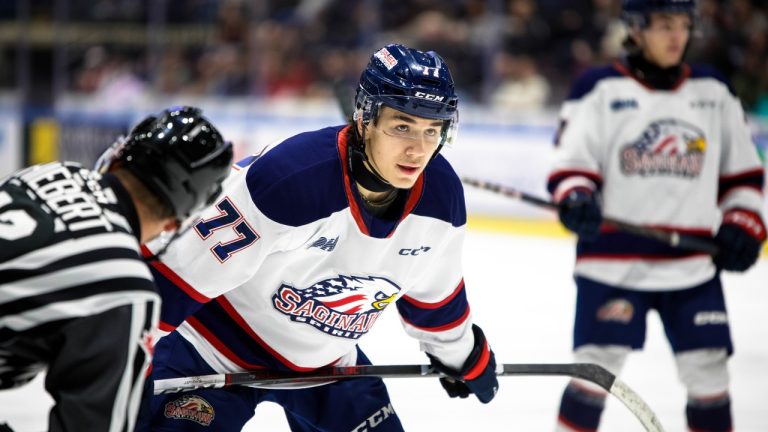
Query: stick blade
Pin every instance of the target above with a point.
(637, 405)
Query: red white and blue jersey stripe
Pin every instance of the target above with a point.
(288, 271)
(670, 159)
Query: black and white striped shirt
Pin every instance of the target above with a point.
(76, 297)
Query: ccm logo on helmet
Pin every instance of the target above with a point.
(428, 96)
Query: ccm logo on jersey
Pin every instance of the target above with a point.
(375, 419)
(429, 96)
(704, 103)
(414, 252)
(710, 317)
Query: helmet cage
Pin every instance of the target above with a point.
(369, 108)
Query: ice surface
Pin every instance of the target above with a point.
(522, 294)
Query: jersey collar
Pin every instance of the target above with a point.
(413, 196)
(625, 69)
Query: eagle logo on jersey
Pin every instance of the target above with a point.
(190, 407)
(343, 306)
(666, 147)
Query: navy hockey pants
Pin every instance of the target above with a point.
(356, 405)
(693, 318)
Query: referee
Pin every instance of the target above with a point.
(76, 297)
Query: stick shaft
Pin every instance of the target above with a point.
(586, 371)
(671, 238)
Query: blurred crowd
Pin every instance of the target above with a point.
(519, 55)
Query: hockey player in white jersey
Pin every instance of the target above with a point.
(653, 141)
(309, 244)
(76, 298)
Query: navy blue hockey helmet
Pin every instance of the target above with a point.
(408, 80)
(637, 12)
(178, 155)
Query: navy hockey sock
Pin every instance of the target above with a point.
(710, 415)
(580, 409)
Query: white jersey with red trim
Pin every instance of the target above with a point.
(671, 159)
(288, 271)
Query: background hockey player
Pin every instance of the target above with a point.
(653, 141)
(76, 297)
(309, 244)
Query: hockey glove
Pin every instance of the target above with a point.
(478, 375)
(739, 239)
(580, 212)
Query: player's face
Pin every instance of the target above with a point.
(663, 42)
(401, 145)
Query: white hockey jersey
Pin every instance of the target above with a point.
(666, 159)
(288, 271)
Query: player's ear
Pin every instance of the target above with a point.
(636, 34)
(171, 224)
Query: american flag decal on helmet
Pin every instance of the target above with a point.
(343, 306)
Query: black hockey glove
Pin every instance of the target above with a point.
(580, 212)
(478, 375)
(739, 239)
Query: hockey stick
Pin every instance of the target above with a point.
(671, 238)
(345, 98)
(259, 378)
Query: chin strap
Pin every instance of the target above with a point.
(366, 176)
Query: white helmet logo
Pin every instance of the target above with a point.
(429, 96)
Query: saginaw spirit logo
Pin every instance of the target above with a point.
(617, 310)
(665, 147)
(344, 306)
(190, 407)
